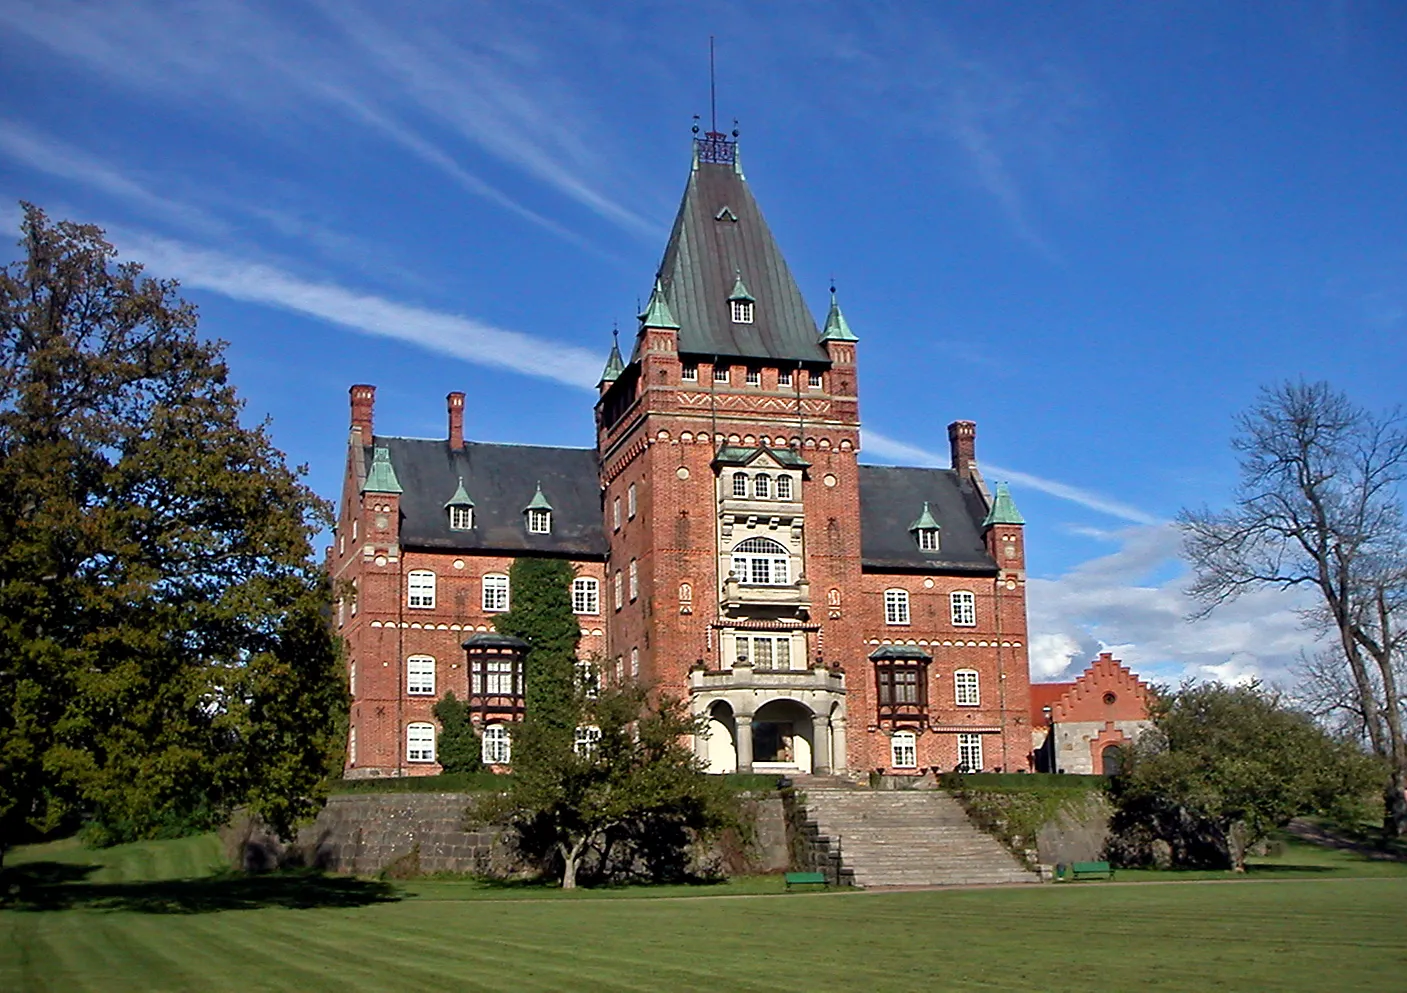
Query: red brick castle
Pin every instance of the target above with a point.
(730, 548)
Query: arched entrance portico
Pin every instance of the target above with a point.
(719, 751)
(790, 722)
(783, 737)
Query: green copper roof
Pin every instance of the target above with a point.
(740, 289)
(381, 478)
(925, 520)
(539, 502)
(739, 455)
(615, 365)
(836, 327)
(1003, 509)
(460, 498)
(657, 313)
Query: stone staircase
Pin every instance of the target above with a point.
(907, 838)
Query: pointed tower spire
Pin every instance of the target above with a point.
(382, 477)
(1003, 509)
(657, 313)
(461, 496)
(836, 329)
(740, 289)
(925, 520)
(615, 365)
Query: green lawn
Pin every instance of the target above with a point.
(148, 919)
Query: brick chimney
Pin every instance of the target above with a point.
(962, 438)
(363, 399)
(455, 403)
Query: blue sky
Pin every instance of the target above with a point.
(1095, 228)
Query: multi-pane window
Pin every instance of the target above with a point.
(927, 539)
(896, 606)
(352, 745)
(619, 600)
(635, 663)
(761, 562)
(495, 593)
(964, 608)
(970, 752)
(620, 670)
(754, 377)
(496, 677)
(420, 743)
(965, 688)
(588, 678)
(901, 686)
(762, 486)
(766, 651)
(615, 514)
(585, 739)
(461, 518)
(814, 379)
(341, 612)
(783, 487)
(420, 675)
(739, 484)
(689, 372)
(720, 374)
(903, 750)
(498, 747)
(352, 678)
(630, 502)
(586, 596)
(420, 588)
(634, 580)
(784, 377)
(354, 598)
(539, 521)
(742, 311)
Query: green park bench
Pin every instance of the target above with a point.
(1091, 870)
(806, 879)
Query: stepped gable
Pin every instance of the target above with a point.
(502, 479)
(892, 496)
(720, 241)
(1107, 691)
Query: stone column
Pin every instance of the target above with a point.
(842, 757)
(820, 743)
(743, 722)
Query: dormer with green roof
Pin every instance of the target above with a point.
(925, 530)
(538, 513)
(461, 509)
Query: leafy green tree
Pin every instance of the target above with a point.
(457, 748)
(616, 792)
(542, 616)
(1224, 765)
(165, 654)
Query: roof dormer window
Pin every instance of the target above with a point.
(539, 514)
(461, 509)
(742, 311)
(925, 530)
(741, 301)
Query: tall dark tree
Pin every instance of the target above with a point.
(1320, 507)
(458, 748)
(164, 648)
(541, 615)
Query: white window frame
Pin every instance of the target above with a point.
(352, 745)
(588, 678)
(753, 377)
(615, 514)
(586, 739)
(420, 742)
(762, 486)
(783, 487)
(355, 597)
(620, 669)
(586, 595)
(495, 598)
(765, 563)
(539, 521)
(903, 750)
(634, 663)
(740, 487)
(967, 688)
(742, 311)
(927, 539)
(634, 580)
(962, 604)
(619, 584)
(497, 747)
(896, 608)
(689, 372)
(461, 518)
(352, 678)
(813, 379)
(420, 675)
(771, 652)
(630, 502)
(783, 377)
(720, 374)
(420, 589)
(341, 612)
(970, 752)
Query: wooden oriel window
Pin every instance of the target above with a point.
(901, 687)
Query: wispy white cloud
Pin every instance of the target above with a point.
(890, 448)
(449, 334)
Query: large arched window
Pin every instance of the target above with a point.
(761, 562)
(420, 588)
(420, 743)
(498, 746)
(896, 606)
(903, 750)
(420, 675)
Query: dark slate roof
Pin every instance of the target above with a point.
(891, 497)
(706, 255)
(501, 480)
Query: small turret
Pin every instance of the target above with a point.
(615, 365)
(657, 313)
(836, 329)
(382, 477)
(1003, 509)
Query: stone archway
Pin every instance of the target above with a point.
(720, 752)
(783, 737)
(1110, 738)
(1111, 760)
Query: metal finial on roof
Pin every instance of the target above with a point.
(539, 502)
(925, 520)
(461, 496)
(837, 328)
(615, 365)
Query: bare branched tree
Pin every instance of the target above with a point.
(1319, 506)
